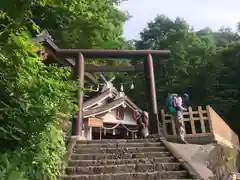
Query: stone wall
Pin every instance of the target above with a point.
(223, 160)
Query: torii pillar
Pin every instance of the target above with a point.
(151, 95)
(122, 54)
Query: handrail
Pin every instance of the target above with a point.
(203, 123)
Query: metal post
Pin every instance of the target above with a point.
(151, 94)
(80, 77)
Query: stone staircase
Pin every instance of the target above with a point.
(137, 159)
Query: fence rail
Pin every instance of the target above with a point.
(200, 125)
(196, 122)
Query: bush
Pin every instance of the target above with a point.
(32, 96)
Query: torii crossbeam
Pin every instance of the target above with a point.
(79, 65)
(147, 55)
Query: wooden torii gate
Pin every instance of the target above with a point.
(148, 69)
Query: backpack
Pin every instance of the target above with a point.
(171, 102)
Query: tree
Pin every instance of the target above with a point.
(174, 74)
(204, 64)
(32, 93)
(82, 24)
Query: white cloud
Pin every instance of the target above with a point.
(198, 13)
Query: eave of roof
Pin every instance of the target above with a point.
(130, 102)
(110, 106)
(93, 101)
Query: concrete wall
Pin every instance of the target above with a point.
(221, 131)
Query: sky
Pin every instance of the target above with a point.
(198, 13)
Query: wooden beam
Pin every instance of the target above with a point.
(93, 68)
(107, 68)
(107, 53)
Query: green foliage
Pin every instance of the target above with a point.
(82, 24)
(47, 159)
(205, 64)
(32, 95)
(11, 170)
(85, 24)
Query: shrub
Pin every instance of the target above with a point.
(32, 96)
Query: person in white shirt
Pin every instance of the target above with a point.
(142, 121)
(179, 104)
(179, 118)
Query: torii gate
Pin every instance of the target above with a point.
(146, 55)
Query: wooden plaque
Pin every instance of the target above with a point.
(95, 122)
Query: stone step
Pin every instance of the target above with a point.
(123, 168)
(73, 163)
(79, 150)
(106, 141)
(157, 175)
(119, 144)
(99, 156)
